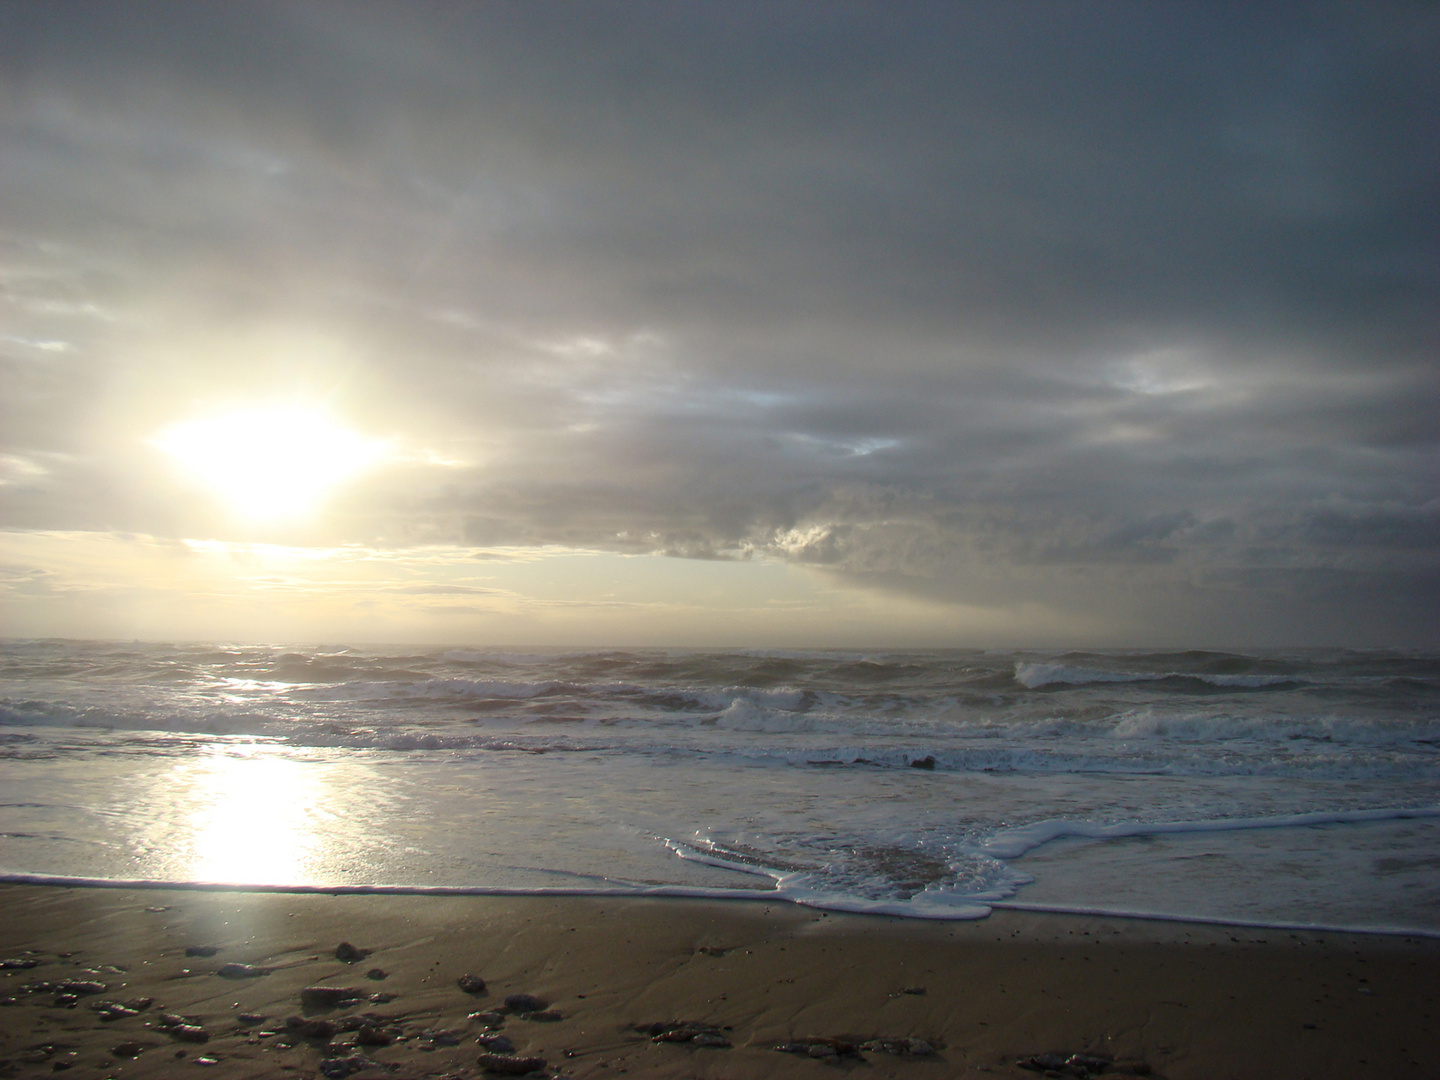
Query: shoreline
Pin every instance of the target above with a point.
(1181, 999)
(718, 896)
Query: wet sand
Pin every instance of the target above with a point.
(1178, 1000)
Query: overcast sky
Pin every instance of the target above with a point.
(726, 323)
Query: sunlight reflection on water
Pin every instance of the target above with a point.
(254, 820)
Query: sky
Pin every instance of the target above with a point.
(771, 324)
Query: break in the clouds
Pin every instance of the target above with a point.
(1078, 322)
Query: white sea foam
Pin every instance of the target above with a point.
(1013, 843)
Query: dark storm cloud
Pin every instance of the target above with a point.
(1116, 307)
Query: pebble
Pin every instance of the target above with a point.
(471, 984)
(252, 1018)
(81, 986)
(242, 971)
(524, 1003)
(686, 1031)
(201, 950)
(488, 1018)
(915, 1047)
(207, 1061)
(510, 1066)
(349, 953)
(442, 1037)
(369, 1035)
(129, 1049)
(819, 1047)
(181, 1028)
(377, 974)
(496, 1044)
(19, 963)
(113, 1010)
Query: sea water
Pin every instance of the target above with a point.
(1279, 788)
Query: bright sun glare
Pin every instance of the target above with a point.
(270, 462)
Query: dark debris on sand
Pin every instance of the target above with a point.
(693, 1032)
(510, 1065)
(1081, 1065)
(242, 971)
(824, 1046)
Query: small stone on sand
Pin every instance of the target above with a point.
(349, 953)
(81, 986)
(369, 1035)
(310, 1029)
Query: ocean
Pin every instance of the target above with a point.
(1276, 788)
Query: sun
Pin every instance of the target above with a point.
(270, 462)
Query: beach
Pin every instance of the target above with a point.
(878, 995)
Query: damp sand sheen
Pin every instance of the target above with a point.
(778, 989)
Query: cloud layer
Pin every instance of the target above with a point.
(1121, 311)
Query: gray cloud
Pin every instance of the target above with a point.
(1130, 307)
